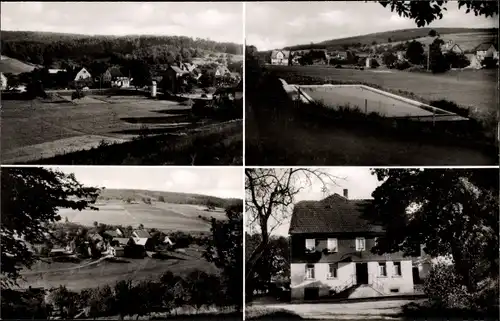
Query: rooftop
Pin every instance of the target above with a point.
(334, 214)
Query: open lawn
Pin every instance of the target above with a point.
(109, 272)
(159, 215)
(468, 88)
(38, 129)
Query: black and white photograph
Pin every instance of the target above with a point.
(128, 243)
(354, 244)
(371, 83)
(118, 83)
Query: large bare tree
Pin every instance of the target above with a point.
(270, 194)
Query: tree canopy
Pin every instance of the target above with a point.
(447, 211)
(425, 12)
(31, 198)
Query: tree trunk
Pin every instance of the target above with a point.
(462, 267)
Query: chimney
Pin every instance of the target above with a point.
(346, 193)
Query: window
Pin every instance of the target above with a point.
(332, 271)
(397, 268)
(360, 244)
(310, 245)
(310, 271)
(332, 245)
(382, 270)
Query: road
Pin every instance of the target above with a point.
(373, 310)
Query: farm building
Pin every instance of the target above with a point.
(83, 74)
(173, 78)
(280, 57)
(450, 46)
(114, 77)
(114, 233)
(330, 253)
(122, 241)
(221, 71)
(116, 251)
(55, 71)
(3, 81)
(486, 50)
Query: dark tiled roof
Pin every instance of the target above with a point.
(142, 234)
(115, 72)
(334, 214)
(286, 53)
(484, 46)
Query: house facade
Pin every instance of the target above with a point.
(172, 79)
(3, 81)
(280, 57)
(486, 50)
(331, 257)
(450, 46)
(83, 74)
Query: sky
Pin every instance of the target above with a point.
(225, 182)
(219, 21)
(357, 180)
(274, 25)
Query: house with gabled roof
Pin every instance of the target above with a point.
(330, 243)
(486, 49)
(280, 57)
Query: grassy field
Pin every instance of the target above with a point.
(32, 131)
(163, 216)
(468, 88)
(108, 272)
(26, 126)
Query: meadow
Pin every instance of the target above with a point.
(467, 88)
(104, 272)
(30, 129)
(159, 215)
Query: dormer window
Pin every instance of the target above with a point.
(310, 245)
(360, 244)
(332, 245)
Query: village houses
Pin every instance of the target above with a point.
(330, 253)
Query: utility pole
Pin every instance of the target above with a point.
(428, 56)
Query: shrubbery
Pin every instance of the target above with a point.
(197, 289)
(77, 94)
(447, 292)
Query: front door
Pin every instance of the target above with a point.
(361, 273)
(311, 293)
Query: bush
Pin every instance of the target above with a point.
(402, 65)
(77, 94)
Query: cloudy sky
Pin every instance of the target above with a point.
(357, 180)
(217, 21)
(224, 182)
(274, 25)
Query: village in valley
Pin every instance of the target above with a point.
(154, 253)
(117, 90)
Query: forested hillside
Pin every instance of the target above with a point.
(51, 49)
(389, 36)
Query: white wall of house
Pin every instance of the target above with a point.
(403, 283)
(345, 271)
(83, 74)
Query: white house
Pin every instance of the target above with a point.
(331, 257)
(486, 50)
(82, 75)
(280, 57)
(3, 81)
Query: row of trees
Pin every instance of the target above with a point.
(197, 289)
